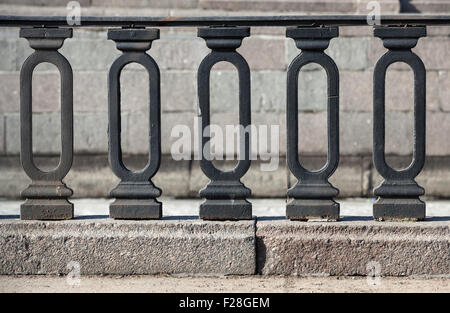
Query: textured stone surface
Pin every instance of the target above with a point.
(309, 6)
(104, 246)
(221, 284)
(346, 248)
(190, 246)
(9, 89)
(147, 3)
(2, 134)
(46, 133)
(7, 55)
(349, 53)
(268, 91)
(355, 176)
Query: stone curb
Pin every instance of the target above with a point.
(347, 248)
(104, 246)
(268, 246)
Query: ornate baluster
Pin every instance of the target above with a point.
(398, 195)
(312, 194)
(225, 194)
(135, 194)
(46, 196)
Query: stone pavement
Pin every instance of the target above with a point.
(223, 284)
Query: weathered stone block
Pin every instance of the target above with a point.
(424, 6)
(443, 90)
(349, 53)
(437, 126)
(182, 4)
(178, 91)
(90, 91)
(9, 91)
(386, 6)
(104, 246)
(46, 133)
(13, 179)
(173, 177)
(2, 134)
(355, 142)
(433, 51)
(308, 6)
(7, 55)
(268, 91)
(179, 51)
(265, 183)
(347, 247)
(91, 132)
(264, 53)
(62, 3)
(356, 91)
(46, 92)
(86, 185)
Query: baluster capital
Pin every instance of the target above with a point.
(399, 38)
(223, 38)
(312, 38)
(133, 39)
(45, 38)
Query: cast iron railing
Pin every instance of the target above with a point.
(226, 197)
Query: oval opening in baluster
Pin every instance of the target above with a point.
(399, 115)
(312, 117)
(224, 116)
(134, 108)
(46, 117)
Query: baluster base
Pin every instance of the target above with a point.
(46, 209)
(312, 209)
(399, 209)
(136, 209)
(226, 209)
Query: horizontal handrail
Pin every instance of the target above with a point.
(273, 21)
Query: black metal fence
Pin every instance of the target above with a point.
(226, 196)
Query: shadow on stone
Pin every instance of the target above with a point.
(437, 219)
(269, 218)
(355, 218)
(90, 217)
(9, 217)
(260, 255)
(181, 217)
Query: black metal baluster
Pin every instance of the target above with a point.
(398, 195)
(135, 194)
(225, 194)
(312, 194)
(46, 196)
